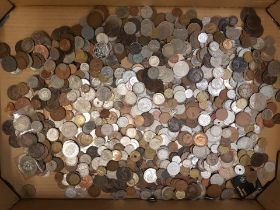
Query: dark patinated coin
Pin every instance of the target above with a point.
(174, 124)
(124, 174)
(5, 49)
(268, 79)
(273, 68)
(195, 75)
(239, 64)
(94, 191)
(88, 127)
(9, 63)
(135, 48)
(36, 150)
(92, 151)
(258, 159)
(276, 118)
(28, 191)
(13, 141)
(148, 119)
(245, 12)
(8, 128)
(27, 139)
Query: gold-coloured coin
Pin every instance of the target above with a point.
(223, 149)
(245, 160)
(194, 173)
(79, 120)
(101, 171)
(184, 171)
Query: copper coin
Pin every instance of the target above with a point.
(276, 118)
(5, 49)
(27, 139)
(95, 19)
(221, 114)
(193, 112)
(86, 182)
(243, 119)
(22, 103)
(214, 191)
(133, 10)
(42, 50)
(186, 139)
(148, 119)
(177, 12)
(58, 113)
(62, 71)
(200, 139)
(13, 92)
(139, 120)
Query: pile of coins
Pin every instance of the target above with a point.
(145, 104)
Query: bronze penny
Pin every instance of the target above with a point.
(243, 119)
(59, 162)
(200, 139)
(276, 118)
(5, 49)
(177, 12)
(86, 182)
(95, 19)
(148, 119)
(36, 103)
(22, 103)
(186, 139)
(214, 191)
(272, 106)
(193, 112)
(58, 113)
(268, 79)
(62, 71)
(27, 139)
(210, 28)
(133, 10)
(42, 50)
(14, 92)
(22, 60)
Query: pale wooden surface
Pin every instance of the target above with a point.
(186, 3)
(23, 21)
